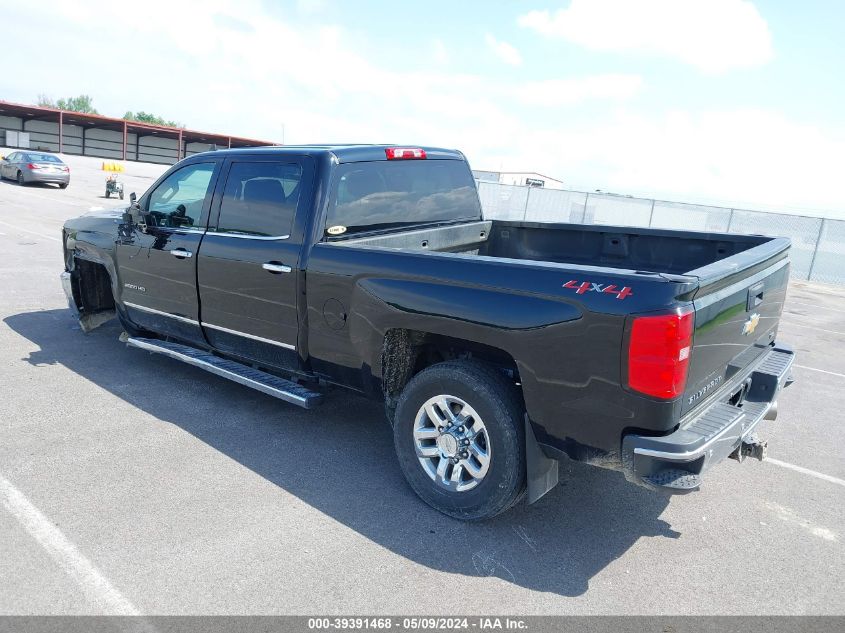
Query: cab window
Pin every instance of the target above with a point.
(260, 199)
(377, 195)
(178, 200)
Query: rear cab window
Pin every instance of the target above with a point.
(379, 195)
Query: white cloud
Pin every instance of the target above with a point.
(310, 6)
(560, 92)
(440, 52)
(750, 157)
(504, 51)
(249, 79)
(712, 35)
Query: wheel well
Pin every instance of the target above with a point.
(92, 286)
(407, 352)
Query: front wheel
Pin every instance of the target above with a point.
(121, 195)
(460, 439)
(108, 193)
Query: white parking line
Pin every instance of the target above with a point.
(21, 190)
(811, 327)
(17, 228)
(96, 587)
(805, 471)
(814, 305)
(823, 371)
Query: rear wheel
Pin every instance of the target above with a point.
(21, 181)
(459, 436)
(63, 185)
(108, 193)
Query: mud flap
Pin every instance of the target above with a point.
(542, 472)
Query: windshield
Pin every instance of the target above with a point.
(384, 194)
(42, 158)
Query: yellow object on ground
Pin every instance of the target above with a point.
(113, 167)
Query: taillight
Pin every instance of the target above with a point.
(34, 166)
(658, 354)
(406, 153)
(64, 168)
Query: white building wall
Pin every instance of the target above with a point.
(101, 143)
(520, 178)
(197, 148)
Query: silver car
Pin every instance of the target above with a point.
(27, 167)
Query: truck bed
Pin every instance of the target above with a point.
(642, 250)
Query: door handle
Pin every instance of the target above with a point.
(755, 296)
(276, 267)
(181, 253)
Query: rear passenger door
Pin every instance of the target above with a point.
(247, 270)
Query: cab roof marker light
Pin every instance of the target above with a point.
(404, 153)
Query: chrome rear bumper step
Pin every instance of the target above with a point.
(676, 462)
(280, 388)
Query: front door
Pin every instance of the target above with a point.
(248, 263)
(157, 267)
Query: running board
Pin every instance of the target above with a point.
(280, 388)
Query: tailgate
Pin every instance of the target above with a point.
(736, 320)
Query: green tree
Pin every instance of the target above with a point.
(82, 103)
(145, 117)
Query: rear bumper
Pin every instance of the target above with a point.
(676, 462)
(37, 176)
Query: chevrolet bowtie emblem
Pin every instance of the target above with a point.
(751, 324)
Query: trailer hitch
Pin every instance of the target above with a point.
(751, 446)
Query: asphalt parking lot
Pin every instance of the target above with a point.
(133, 484)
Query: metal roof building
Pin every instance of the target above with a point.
(33, 127)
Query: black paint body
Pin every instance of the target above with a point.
(332, 311)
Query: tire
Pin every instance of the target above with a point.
(476, 391)
(21, 181)
(121, 195)
(63, 185)
(108, 194)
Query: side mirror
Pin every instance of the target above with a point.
(139, 217)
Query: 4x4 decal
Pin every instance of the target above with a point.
(582, 287)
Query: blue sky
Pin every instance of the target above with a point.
(726, 101)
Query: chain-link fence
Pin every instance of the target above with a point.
(818, 245)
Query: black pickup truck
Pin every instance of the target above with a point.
(498, 348)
